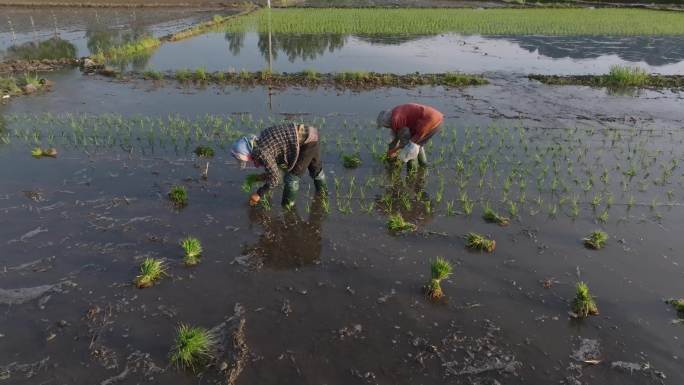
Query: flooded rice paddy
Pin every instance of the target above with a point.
(325, 293)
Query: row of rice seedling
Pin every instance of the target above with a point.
(542, 21)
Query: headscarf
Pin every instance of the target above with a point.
(384, 119)
(243, 147)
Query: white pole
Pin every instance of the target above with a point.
(269, 3)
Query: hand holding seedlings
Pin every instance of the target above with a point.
(250, 181)
(584, 304)
(151, 270)
(595, 240)
(193, 250)
(194, 347)
(476, 241)
(440, 269)
(254, 199)
(298, 145)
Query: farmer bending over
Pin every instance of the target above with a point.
(290, 147)
(411, 126)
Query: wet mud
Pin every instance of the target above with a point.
(326, 293)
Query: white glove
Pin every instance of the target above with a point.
(409, 152)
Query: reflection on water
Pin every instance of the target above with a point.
(436, 53)
(305, 47)
(288, 241)
(653, 50)
(100, 38)
(53, 48)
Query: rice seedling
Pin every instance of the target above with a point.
(310, 74)
(551, 21)
(204, 151)
(9, 86)
(491, 216)
(595, 240)
(250, 181)
(351, 161)
(152, 74)
(178, 196)
(583, 304)
(219, 77)
(183, 75)
(397, 224)
(476, 241)
(193, 347)
(513, 209)
(626, 76)
(440, 269)
(678, 304)
(200, 75)
(38, 152)
(192, 249)
(603, 217)
(151, 270)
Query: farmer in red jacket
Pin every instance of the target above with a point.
(410, 123)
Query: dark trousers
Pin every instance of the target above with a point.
(309, 158)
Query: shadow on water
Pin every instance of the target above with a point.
(288, 241)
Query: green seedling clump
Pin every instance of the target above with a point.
(9, 86)
(396, 223)
(596, 240)
(152, 74)
(440, 269)
(678, 304)
(584, 304)
(150, 271)
(250, 181)
(351, 161)
(193, 348)
(476, 241)
(193, 249)
(204, 151)
(41, 152)
(626, 76)
(490, 216)
(179, 196)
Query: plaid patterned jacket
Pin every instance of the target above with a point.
(277, 148)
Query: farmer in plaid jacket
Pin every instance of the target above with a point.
(290, 148)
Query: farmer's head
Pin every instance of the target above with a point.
(384, 119)
(242, 149)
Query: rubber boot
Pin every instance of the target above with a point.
(422, 158)
(412, 166)
(320, 183)
(290, 190)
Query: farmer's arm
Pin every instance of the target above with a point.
(271, 177)
(401, 139)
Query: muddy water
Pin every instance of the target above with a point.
(330, 296)
(333, 297)
(407, 54)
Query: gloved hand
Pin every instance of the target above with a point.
(254, 199)
(391, 154)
